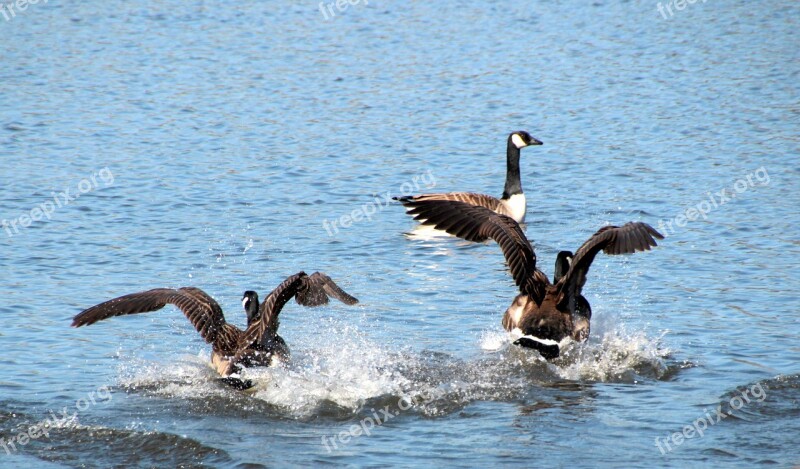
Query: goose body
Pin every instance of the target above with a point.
(512, 203)
(544, 311)
(232, 348)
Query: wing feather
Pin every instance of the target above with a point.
(613, 240)
(203, 312)
(308, 291)
(478, 223)
(470, 198)
(318, 287)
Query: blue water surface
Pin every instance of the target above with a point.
(213, 144)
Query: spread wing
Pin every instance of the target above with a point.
(316, 289)
(202, 311)
(308, 290)
(475, 223)
(471, 198)
(626, 239)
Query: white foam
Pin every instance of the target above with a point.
(492, 341)
(614, 356)
(345, 369)
(338, 365)
(608, 355)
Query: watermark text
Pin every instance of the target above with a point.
(698, 428)
(379, 202)
(60, 199)
(759, 177)
(42, 428)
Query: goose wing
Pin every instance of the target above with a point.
(203, 312)
(626, 239)
(471, 198)
(308, 290)
(316, 289)
(475, 223)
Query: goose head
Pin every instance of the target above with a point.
(250, 304)
(563, 262)
(522, 139)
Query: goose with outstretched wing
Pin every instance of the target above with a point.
(512, 202)
(232, 348)
(544, 312)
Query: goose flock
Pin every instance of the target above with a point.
(540, 317)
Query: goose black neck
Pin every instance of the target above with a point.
(513, 182)
(252, 308)
(562, 265)
(252, 316)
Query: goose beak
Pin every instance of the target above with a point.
(535, 141)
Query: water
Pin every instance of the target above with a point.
(215, 140)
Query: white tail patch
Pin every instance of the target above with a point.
(427, 233)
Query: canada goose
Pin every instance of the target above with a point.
(232, 349)
(512, 203)
(545, 312)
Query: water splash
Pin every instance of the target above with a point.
(345, 373)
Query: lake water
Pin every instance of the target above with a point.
(207, 144)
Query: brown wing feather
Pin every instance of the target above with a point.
(471, 198)
(202, 311)
(475, 223)
(318, 287)
(613, 240)
(135, 303)
(308, 291)
(269, 310)
(223, 336)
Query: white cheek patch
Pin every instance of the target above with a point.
(517, 141)
(245, 302)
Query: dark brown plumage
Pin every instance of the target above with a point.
(258, 345)
(542, 309)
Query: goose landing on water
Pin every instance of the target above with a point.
(232, 349)
(544, 313)
(512, 203)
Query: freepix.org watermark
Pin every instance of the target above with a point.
(698, 428)
(9, 10)
(37, 430)
(60, 199)
(715, 200)
(329, 9)
(379, 202)
(678, 4)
